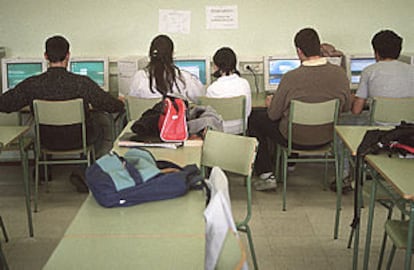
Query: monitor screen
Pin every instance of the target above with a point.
(93, 69)
(15, 70)
(278, 67)
(197, 67)
(356, 66)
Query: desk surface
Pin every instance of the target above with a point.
(166, 234)
(189, 154)
(396, 171)
(158, 235)
(352, 135)
(10, 133)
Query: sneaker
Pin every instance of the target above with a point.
(291, 168)
(266, 184)
(346, 185)
(78, 181)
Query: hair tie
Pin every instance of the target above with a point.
(154, 53)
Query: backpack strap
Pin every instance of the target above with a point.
(195, 180)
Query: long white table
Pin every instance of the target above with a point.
(9, 134)
(397, 173)
(166, 234)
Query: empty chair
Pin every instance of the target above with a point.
(391, 111)
(232, 110)
(308, 114)
(60, 113)
(224, 249)
(135, 107)
(235, 154)
(397, 231)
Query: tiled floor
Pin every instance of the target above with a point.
(300, 238)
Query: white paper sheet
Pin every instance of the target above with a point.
(222, 17)
(174, 21)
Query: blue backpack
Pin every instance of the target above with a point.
(138, 178)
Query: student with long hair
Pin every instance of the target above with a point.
(161, 76)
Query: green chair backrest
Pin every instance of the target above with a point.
(233, 153)
(10, 119)
(232, 108)
(305, 113)
(59, 113)
(135, 107)
(391, 111)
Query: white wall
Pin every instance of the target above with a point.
(118, 28)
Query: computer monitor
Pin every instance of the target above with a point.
(356, 65)
(96, 68)
(409, 59)
(198, 66)
(275, 67)
(15, 70)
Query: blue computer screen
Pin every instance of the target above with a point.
(195, 67)
(17, 72)
(357, 65)
(93, 69)
(278, 67)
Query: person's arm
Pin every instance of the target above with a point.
(193, 87)
(358, 105)
(277, 104)
(14, 99)
(101, 100)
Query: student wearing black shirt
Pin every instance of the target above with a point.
(57, 83)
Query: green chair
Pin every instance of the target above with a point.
(233, 108)
(309, 114)
(59, 113)
(391, 111)
(397, 231)
(235, 154)
(135, 107)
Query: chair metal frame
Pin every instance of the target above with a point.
(397, 231)
(58, 113)
(135, 106)
(231, 108)
(312, 114)
(235, 154)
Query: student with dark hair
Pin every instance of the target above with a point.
(388, 77)
(57, 83)
(161, 76)
(316, 80)
(229, 84)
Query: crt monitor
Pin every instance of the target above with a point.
(198, 66)
(15, 70)
(356, 65)
(96, 68)
(275, 67)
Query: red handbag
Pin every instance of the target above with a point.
(173, 121)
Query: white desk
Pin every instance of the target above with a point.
(7, 135)
(166, 234)
(398, 173)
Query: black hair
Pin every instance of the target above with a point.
(161, 67)
(225, 59)
(307, 40)
(387, 44)
(57, 47)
